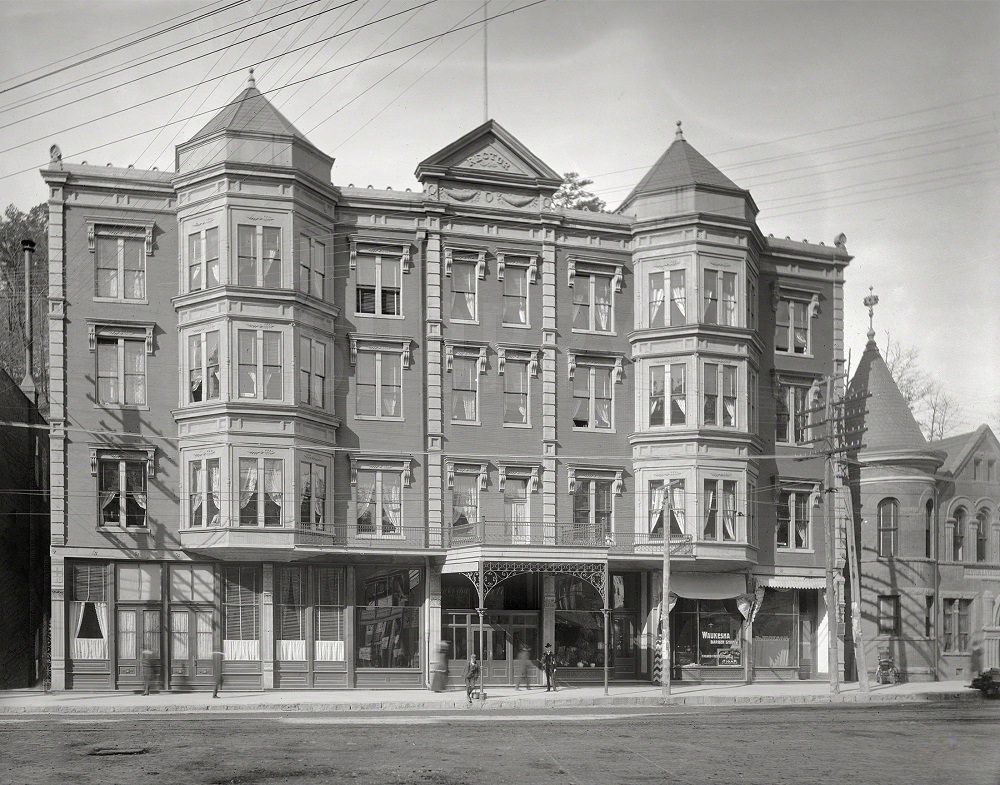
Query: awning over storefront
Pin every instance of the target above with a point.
(707, 586)
(791, 582)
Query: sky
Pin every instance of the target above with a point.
(878, 120)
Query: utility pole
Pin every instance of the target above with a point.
(665, 665)
(831, 540)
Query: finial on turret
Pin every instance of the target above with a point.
(250, 81)
(871, 301)
(679, 134)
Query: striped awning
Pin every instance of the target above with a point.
(791, 582)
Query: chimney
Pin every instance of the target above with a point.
(28, 385)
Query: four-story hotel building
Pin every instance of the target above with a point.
(323, 428)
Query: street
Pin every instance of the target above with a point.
(911, 744)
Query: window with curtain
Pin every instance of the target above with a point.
(328, 614)
(312, 497)
(204, 487)
(241, 612)
(888, 527)
(710, 395)
(792, 421)
(88, 609)
(121, 371)
(592, 397)
(720, 510)
(657, 300)
(728, 313)
(379, 502)
(259, 364)
(657, 395)
(120, 264)
(515, 510)
(515, 392)
(678, 298)
(888, 615)
(791, 326)
(465, 390)
(982, 534)
(203, 367)
(661, 498)
(465, 500)
(592, 303)
(678, 395)
(312, 266)
(463, 291)
(955, 628)
(258, 259)
(261, 481)
(958, 535)
(710, 295)
(203, 259)
(379, 285)
(379, 385)
(122, 491)
(312, 372)
(793, 520)
(592, 510)
(515, 296)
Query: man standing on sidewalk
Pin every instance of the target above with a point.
(217, 658)
(147, 670)
(549, 666)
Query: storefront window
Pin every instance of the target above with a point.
(579, 624)
(706, 633)
(775, 631)
(389, 617)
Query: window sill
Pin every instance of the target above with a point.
(122, 300)
(376, 418)
(123, 407)
(609, 333)
(515, 326)
(517, 425)
(396, 316)
(463, 321)
(593, 430)
(809, 356)
(781, 549)
(124, 529)
(465, 422)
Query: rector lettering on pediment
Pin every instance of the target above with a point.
(488, 159)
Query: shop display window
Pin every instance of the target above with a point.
(388, 633)
(706, 633)
(579, 625)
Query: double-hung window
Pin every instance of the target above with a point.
(465, 500)
(593, 303)
(592, 510)
(792, 417)
(667, 298)
(593, 393)
(379, 285)
(312, 372)
(888, 615)
(121, 371)
(204, 492)
(312, 266)
(955, 630)
(379, 384)
(720, 409)
(793, 524)
(121, 490)
(659, 376)
(465, 363)
(259, 367)
(120, 261)
(259, 491)
(720, 298)
(666, 496)
(204, 380)
(515, 392)
(792, 324)
(464, 291)
(312, 495)
(720, 511)
(888, 526)
(258, 256)
(379, 502)
(203, 259)
(982, 533)
(958, 536)
(515, 296)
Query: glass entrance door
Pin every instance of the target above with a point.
(137, 629)
(503, 634)
(190, 648)
(623, 645)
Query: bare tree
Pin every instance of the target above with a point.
(903, 365)
(935, 410)
(939, 413)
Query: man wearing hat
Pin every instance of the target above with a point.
(549, 666)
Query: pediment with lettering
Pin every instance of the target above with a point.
(488, 153)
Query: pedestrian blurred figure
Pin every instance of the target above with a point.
(549, 666)
(523, 659)
(439, 675)
(147, 670)
(217, 658)
(471, 676)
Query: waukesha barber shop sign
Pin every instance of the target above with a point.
(727, 651)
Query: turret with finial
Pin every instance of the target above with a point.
(871, 301)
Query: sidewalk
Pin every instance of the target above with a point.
(636, 694)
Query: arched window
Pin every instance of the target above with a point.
(982, 534)
(888, 525)
(929, 529)
(958, 536)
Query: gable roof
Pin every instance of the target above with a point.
(681, 166)
(960, 448)
(250, 112)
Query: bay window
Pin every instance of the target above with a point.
(312, 495)
(203, 367)
(258, 256)
(888, 525)
(203, 259)
(667, 298)
(312, 266)
(259, 358)
(663, 496)
(261, 481)
(204, 489)
(720, 298)
(720, 511)
(720, 409)
(657, 395)
(678, 395)
(312, 372)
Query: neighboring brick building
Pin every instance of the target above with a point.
(312, 424)
(928, 529)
